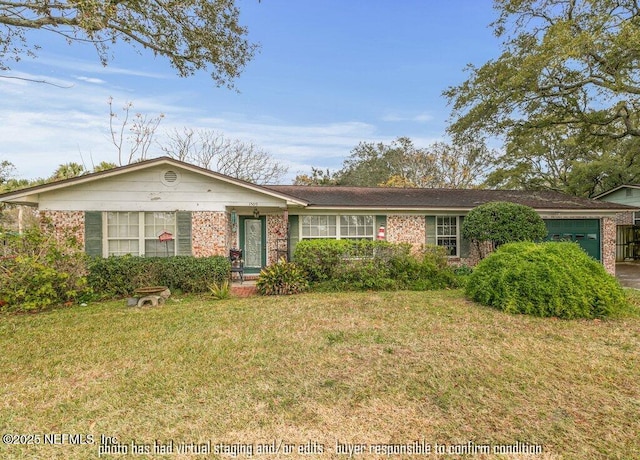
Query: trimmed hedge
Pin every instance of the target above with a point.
(120, 276)
(545, 279)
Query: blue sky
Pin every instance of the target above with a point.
(329, 74)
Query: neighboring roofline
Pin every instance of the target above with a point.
(615, 190)
(52, 186)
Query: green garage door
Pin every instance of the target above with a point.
(585, 231)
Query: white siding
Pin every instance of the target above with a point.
(146, 191)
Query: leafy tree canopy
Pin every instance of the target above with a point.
(402, 164)
(565, 62)
(193, 35)
(564, 95)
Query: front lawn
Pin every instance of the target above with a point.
(371, 371)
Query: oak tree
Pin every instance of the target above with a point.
(564, 93)
(193, 35)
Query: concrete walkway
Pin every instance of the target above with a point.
(628, 273)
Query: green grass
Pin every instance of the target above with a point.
(356, 368)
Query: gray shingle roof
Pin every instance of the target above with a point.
(378, 197)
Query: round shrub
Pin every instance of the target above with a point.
(501, 222)
(545, 279)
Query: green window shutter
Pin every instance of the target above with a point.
(431, 229)
(294, 234)
(381, 221)
(183, 220)
(465, 244)
(93, 233)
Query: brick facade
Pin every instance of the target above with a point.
(406, 229)
(63, 225)
(276, 230)
(608, 235)
(624, 218)
(210, 233)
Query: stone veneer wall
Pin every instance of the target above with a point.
(624, 218)
(406, 229)
(210, 233)
(276, 229)
(64, 224)
(608, 235)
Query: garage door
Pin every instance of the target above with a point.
(585, 231)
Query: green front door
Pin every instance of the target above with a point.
(586, 232)
(253, 243)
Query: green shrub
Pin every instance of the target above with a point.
(501, 222)
(120, 276)
(423, 271)
(39, 272)
(322, 257)
(545, 279)
(283, 278)
(347, 265)
(362, 275)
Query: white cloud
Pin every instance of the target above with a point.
(401, 118)
(80, 65)
(96, 81)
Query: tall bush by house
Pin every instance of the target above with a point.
(499, 222)
(545, 279)
(37, 272)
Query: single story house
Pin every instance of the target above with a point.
(163, 207)
(628, 223)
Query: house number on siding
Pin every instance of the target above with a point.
(253, 204)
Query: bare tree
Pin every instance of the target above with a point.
(133, 136)
(212, 150)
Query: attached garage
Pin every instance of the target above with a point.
(586, 232)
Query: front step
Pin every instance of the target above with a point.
(246, 289)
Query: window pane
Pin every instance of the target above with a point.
(447, 234)
(156, 223)
(123, 247)
(122, 224)
(156, 248)
(318, 226)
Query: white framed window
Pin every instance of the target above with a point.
(319, 227)
(636, 218)
(137, 233)
(123, 233)
(447, 234)
(357, 227)
(156, 223)
(337, 226)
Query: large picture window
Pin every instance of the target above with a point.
(137, 233)
(338, 227)
(447, 234)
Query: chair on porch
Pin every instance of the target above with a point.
(237, 263)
